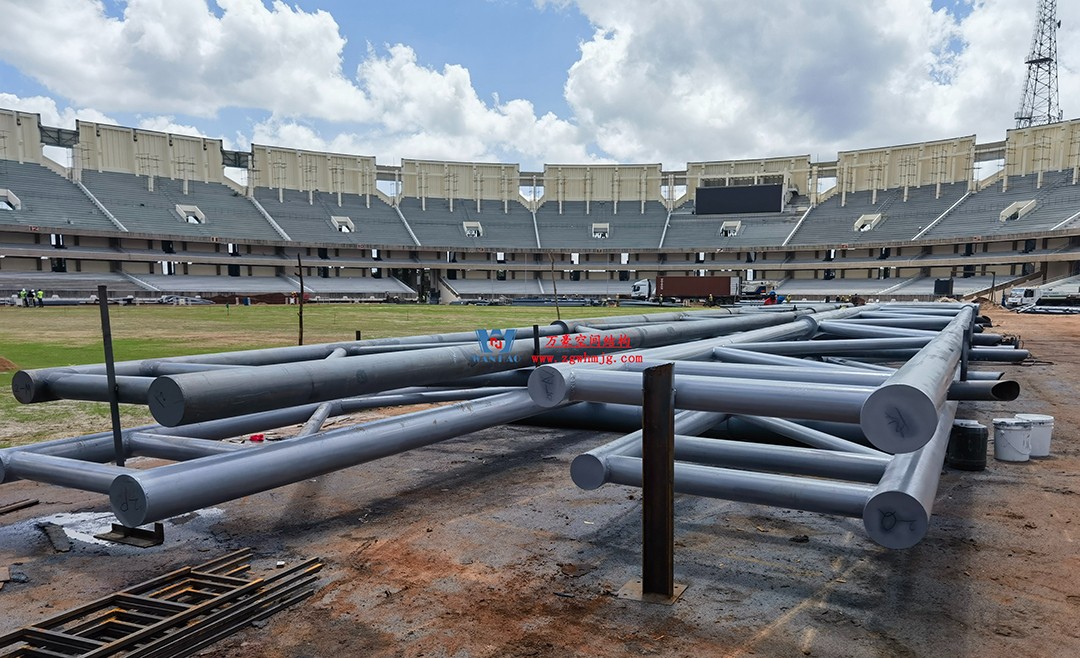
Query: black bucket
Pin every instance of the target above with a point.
(967, 446)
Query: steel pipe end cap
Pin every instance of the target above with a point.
(165, 397)
(128, 501)
(895, 519)
(28, 389)
(548, 386)
(898, 418)
(588, 471)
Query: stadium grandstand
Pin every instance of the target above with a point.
(152, 214)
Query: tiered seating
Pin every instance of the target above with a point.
(229, 216)
(961, 285)
(831, 223)
(589, 288)
(814, 288)
(473, 288)
(436, 226)
(367, 286)
(310, 222)
(210, 284)
(691, 231)
(572, 230)
(67, 284)
(979, 215)
(48, 200)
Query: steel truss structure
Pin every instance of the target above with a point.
(777, 373)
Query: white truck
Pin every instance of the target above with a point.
(1059, 294)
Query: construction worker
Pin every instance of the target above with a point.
(770, 299)
(40, 294)
(22, 297)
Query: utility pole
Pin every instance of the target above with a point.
(1039, 102)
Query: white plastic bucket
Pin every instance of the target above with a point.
(1042, 428)
(1012, 439)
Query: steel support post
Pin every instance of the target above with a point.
(657, 482)
(110, 376)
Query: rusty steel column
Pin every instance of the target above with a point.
(658, 482)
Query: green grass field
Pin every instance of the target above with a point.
(58, 336)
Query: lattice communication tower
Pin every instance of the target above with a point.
(1039, 103)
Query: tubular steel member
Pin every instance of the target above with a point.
(181, 399)
(845, 329)
(31, 386)
(897, 514)
(811, 495)
(902, 414)
(1004, 390)
(593, 472)
(589, 470)
(142, 497)
(809, 436)
(551, 387)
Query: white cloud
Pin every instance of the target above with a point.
(176, 55)
(51, 114)
(656, 82)
(691, 79)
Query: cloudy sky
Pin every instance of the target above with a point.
(534, 81)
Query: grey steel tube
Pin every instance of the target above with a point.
(88, 476)
(936, 323)
(824, 347)
(846, 329)
(1004, 354)
(922, 311)
(186, 398)
(1004, 390)
(175, 448)
(809, 436)
(156, 368)
(34, 384)
(733, 355)
(146, 496)
(811, 495)
(901, 415)
(781, 459)
(551, 387)
(897, 515)
(775, 373)
(589, 470)
(76, 386)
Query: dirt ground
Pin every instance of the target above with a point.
(482, 547)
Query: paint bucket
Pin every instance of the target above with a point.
(1012, 439)
(1042, 427)
(967, 446)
